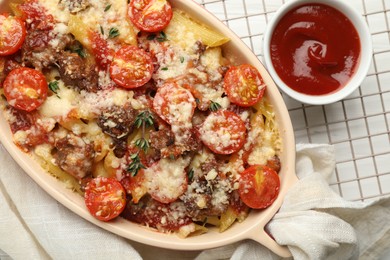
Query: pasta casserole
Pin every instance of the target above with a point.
(135, 105)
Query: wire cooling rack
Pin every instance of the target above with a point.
(357, 126)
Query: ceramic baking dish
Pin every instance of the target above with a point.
(251, 228)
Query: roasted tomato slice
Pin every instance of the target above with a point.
(25, 88)
(174, 104)
(36, 15)
(150, 15)
(100, 50)
(105, 198)
(259, 186)
(135, 185)
(131, 67)
(223, 132)
(12, 34)
(244, 85)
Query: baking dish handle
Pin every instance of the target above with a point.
(261, 236)
(266, 240)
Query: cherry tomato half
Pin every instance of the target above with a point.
(105, 198)
(101, 50)
(244, 85)
(131, 67)
(36, 15)
(12, 34)
(174, 104)
(223, 132)
(150, 15)
(259, 186)
(25, 88)
(135, 186)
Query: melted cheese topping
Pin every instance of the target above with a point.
(167, 178)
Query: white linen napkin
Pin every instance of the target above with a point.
(314, 222)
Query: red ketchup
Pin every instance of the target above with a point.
(315, 49)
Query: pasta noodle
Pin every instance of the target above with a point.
(227, 219)
(191, 230)
(193, 30)
(79, 29)
(43, 156)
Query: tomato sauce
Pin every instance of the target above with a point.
(315, 49)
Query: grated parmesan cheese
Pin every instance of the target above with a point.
(167, 178)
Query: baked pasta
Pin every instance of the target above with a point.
(135, 107)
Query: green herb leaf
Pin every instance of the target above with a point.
(81, 52)
(214, 106)
(181, 59)
(190, 175)
(145, 117)
(165, 68)
(162, 37)
(101, 30)
(78, 48)
(107, 7)
(142, 143)
(149, 121)
(135, 165)
(134, 156)
(151, 37)
(114, 32)
(53, 86)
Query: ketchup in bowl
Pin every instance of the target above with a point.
(315, 49)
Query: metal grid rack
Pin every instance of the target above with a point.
(359, 125)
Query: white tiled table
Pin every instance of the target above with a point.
(357, 126)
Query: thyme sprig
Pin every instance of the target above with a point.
(142, 143)
(135, 164)
(143, 120)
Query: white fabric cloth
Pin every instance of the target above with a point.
(314, 222)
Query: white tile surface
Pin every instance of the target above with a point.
(359, 125)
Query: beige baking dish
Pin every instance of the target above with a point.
(251, 228)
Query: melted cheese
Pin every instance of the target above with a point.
(220, 137)
(167, 178)
(59, 14)
(60, 105)
(181, 36)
